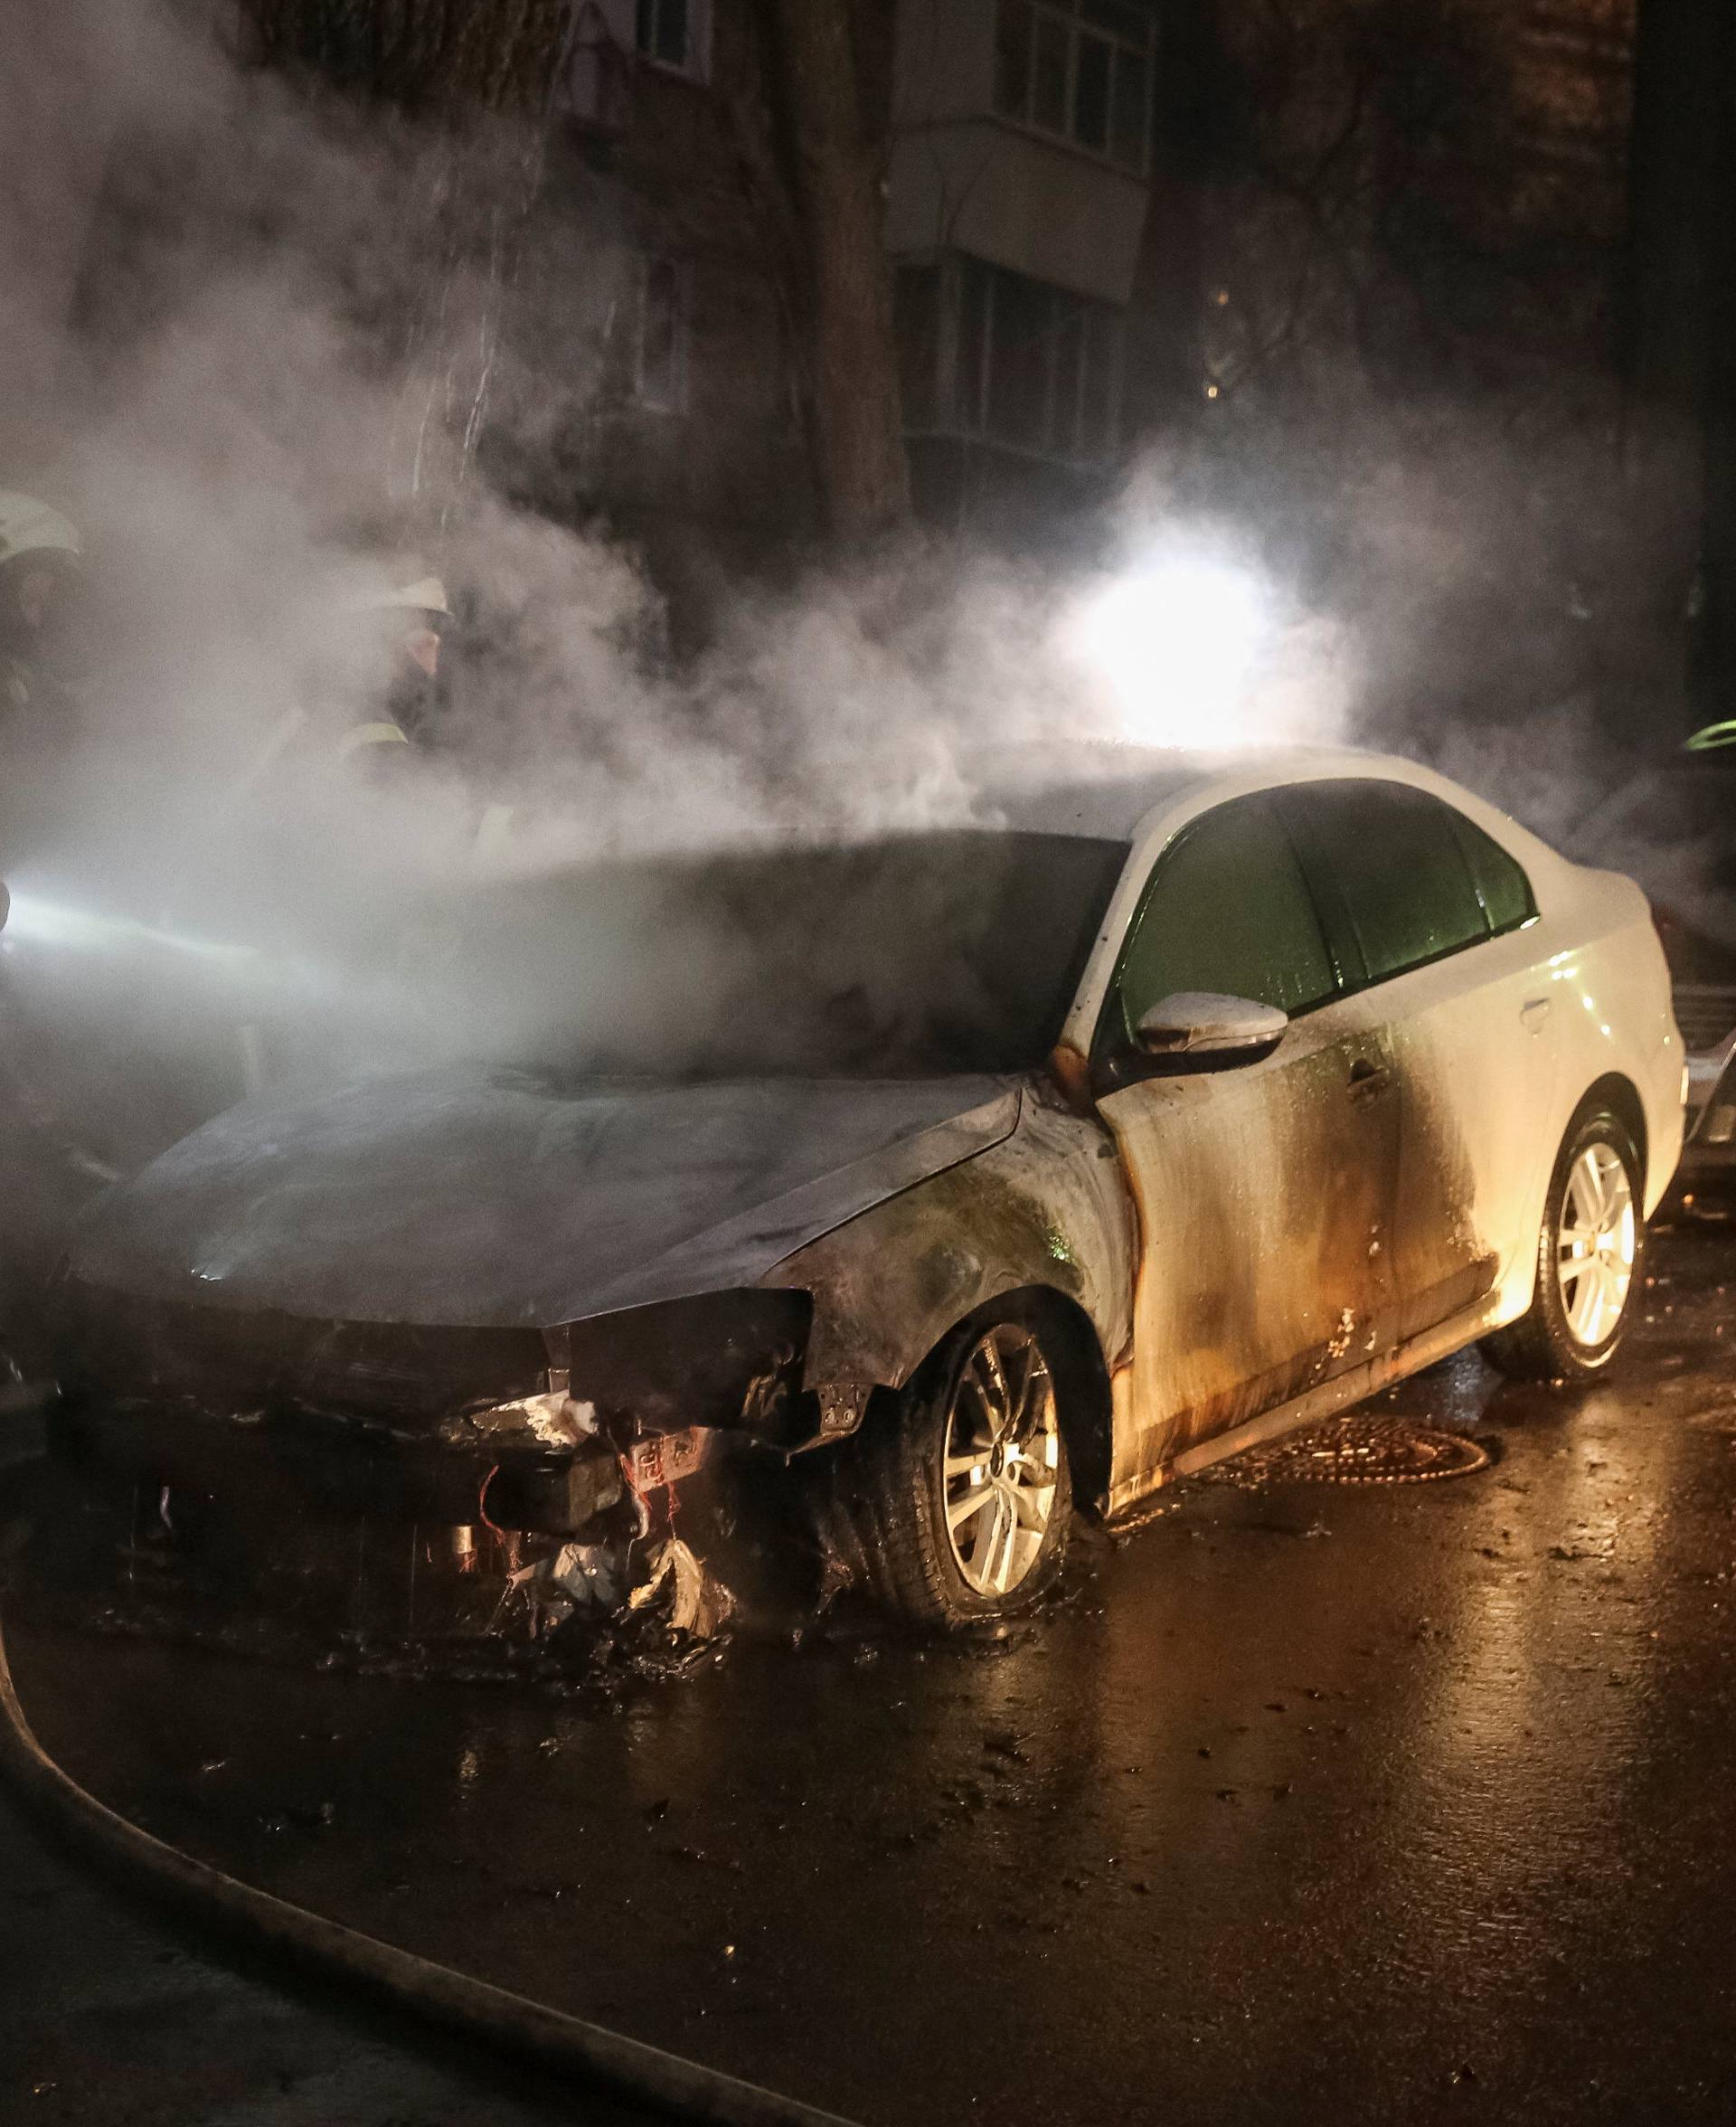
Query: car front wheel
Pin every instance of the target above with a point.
(1589, 1257)
(963, 1499)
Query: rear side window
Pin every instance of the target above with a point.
(1398, 888)
(1227, 909)
(1500, 881)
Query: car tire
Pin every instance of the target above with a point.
(959, 1494)
(1590, 1251)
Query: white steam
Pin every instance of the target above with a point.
(250, 340)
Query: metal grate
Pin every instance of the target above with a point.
(1359, 1449)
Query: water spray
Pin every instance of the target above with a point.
(32, 921)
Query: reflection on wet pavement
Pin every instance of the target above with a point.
(1359, 1803)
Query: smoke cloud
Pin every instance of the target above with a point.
(253, 338)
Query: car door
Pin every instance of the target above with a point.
(1264, 1188)
(1428, 915)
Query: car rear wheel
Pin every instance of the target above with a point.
(961, 1495)
(1589, 1257)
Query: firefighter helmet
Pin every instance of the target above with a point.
(425, 594)
(29, 526)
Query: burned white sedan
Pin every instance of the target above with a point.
(953, 1180)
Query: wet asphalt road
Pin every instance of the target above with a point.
(1312, 1802)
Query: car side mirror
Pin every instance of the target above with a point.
(1203, 1023)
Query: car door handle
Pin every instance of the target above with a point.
(1532, 1013)
(1367, 1079)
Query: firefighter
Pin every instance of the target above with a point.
(47, 1168)
(397, 640)
(369, 708)
(45, 1174)
(40, 556)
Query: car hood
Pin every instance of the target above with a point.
(494, 1198)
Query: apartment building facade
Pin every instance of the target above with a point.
(1017, 143)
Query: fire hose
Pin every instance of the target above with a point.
(503, 2021)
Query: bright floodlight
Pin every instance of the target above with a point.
(1177, 640)
(45, 923)
(52, 923)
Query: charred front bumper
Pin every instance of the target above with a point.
(540, 1430)
(320, 1464)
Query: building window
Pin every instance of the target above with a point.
(1081, 70)
(592, 87)
(675, 33)
(993, 354)
(660, 352)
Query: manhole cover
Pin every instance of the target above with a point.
(1359, 1451)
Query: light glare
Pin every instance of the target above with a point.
(1178, 642)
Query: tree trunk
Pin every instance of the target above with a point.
(1681, 312)
(835, 178)
(1679, 157)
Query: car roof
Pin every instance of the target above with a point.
(1108, 790)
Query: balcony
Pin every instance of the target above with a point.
(1022, 136)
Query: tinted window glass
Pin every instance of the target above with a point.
(1127, 117)
(1049, 79)
(1013, 58)
(1393, 856)
(1227, 909)
(1092, 93)
(1501, 886)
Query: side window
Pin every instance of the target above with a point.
(1404, 890)
(1227, 909)
(660, 354)
(675, 33)
(1501, 883)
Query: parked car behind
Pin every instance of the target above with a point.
(1674, 829)
(977, 1171)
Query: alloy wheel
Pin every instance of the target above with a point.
(1597, 1244)
(1002, 1458)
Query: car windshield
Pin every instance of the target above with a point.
(957, 951)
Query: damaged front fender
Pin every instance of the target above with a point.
(1047, 1207)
